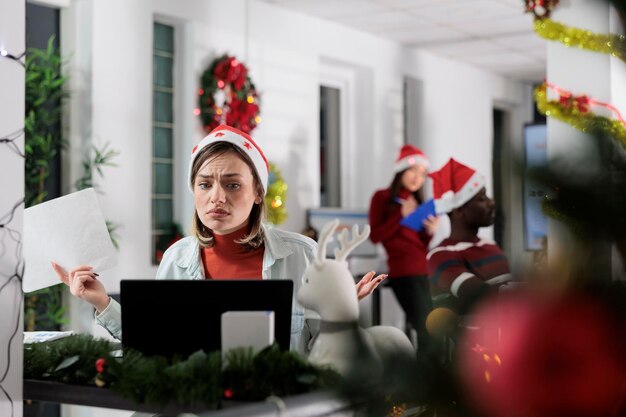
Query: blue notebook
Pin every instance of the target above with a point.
(416, 219)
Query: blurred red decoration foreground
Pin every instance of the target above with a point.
(544, 358)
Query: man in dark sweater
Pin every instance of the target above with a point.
(464, 266)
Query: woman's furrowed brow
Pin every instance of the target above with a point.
(227, 175)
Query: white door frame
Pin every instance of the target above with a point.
(344, 78)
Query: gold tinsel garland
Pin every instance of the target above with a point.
(584, 121)
(614, 45)
(276, 197)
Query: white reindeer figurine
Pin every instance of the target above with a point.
(328, 289)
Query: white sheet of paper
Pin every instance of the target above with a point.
(69, 230)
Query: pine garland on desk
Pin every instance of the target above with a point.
(199, 379)
(70, 360)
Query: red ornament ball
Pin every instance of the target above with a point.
(100, 363)
(554, 358)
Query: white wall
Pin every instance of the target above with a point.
(12, 40)
(286, 53)
(458, 115)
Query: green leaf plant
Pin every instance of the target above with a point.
(45, 96)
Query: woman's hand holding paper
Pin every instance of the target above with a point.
(84, 284)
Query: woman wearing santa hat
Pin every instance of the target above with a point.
(406, 248)
(228, 176)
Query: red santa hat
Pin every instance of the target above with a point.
(408, 156)
(454, 185)
(240, 139)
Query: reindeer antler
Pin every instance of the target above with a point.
(326, 235)
(348, 245)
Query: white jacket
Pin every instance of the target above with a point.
(286, 256)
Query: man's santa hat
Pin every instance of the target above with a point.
(454, 185)
(408, 156)
(240, 139)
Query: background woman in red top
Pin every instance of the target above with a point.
(406, 249)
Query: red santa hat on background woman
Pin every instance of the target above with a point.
(408, 156)
(454, 185)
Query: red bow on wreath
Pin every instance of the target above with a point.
(230, 70)
(582, 103)
(569, 100)
(227, 95)
(241, 112)
(541, 8)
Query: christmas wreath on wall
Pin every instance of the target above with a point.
(227, 95)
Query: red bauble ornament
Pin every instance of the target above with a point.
(554, 358)
(100, 363)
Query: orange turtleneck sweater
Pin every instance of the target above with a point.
(229, 260)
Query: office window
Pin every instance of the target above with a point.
(163, 229)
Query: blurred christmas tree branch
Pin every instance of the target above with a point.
(592, 206)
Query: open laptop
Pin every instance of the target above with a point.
(179, 317)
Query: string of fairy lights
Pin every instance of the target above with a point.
(10, 237)
(10, 141)
(11, 247)
(17, 58)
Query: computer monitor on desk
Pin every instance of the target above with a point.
(180, 317)
(364, 258)
(318, 217)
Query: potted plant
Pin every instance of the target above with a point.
(45, 96)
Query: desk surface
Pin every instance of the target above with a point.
(303, 405)
(56, 392)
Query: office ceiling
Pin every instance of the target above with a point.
(495, 35)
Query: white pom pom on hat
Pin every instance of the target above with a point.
(408, 156)
(224, 133)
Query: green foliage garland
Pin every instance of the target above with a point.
(200, 379)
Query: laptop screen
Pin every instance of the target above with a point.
(180, 317)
